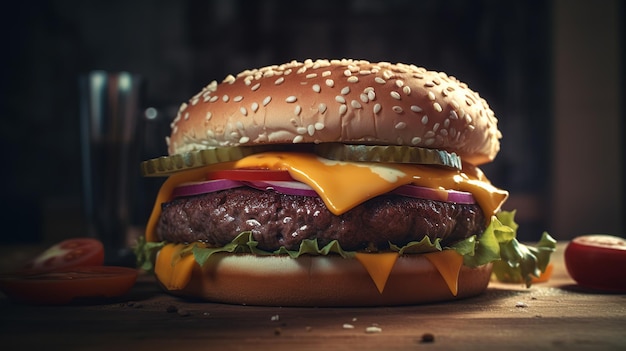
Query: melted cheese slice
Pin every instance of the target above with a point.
(173, 268)
(378, 265)
(448, 263)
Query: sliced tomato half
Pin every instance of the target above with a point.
(250, 175)
(69, 253)
(597, 262)
(66, 285)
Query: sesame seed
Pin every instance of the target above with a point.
(353, 79)
(453, 115)
(397, 109)
(326, 73)
(316, 88)
(208, 116)
(244, 139)
(431, 96)
(229, 79)
(416, 140)
(267, 100)
(291, 99)
(298, 139)
(355, 104)
(365, 72)
(322, 107)
(435, 127)
(343, 109)
(225, 98)
(471, 127)
(330, 83)
(379, 80)
(364, 98)
(301, 130)
(429, 84)
(416, 108)
(311, 129)
(340, 99)
(186, 116)
(371, 95)
(301, 70)
(319, 126)
(429, 134)
(437, 107)
(297, 110)
(206, 98)
(238, 98)
(279, 80)
(213, 98)
(400, 125)
(395, 95)
(406, 89)
(256, 86)
(429, 141)
(468, 102)
(311, 75)
(455, 105)
(195, 101)
(425, 120)
(347, 73)
(443, 132)
(387, 74)
(243, 111)
(254, 107)
(345, 91)
(446, 123)
(377, 108)
(444, 92)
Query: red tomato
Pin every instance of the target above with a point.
(65, 285)
(597, 262)
(250, 174)
(69, 253)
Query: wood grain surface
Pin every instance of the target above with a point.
(557, 315)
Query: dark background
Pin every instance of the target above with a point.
(503, 49)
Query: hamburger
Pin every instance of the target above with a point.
(332, 183)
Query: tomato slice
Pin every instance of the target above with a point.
(66, 285)
(250, 174)
(69, 253)
(597, 262)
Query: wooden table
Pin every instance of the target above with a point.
(557, 315)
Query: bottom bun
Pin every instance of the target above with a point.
(324, 281)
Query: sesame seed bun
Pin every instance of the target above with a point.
(344, 101)
(325, 281)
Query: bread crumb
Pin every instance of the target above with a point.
(428, 337)
(372, 330)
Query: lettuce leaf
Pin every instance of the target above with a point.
(512, 259)
(145, 253)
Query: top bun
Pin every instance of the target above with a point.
(345, 101)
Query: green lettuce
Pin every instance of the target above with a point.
(497, 244)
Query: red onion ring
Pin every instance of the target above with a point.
(302, 189)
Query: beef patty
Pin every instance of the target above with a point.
(277, 220)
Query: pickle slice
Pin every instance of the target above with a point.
(166, 165)
(389, 154)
